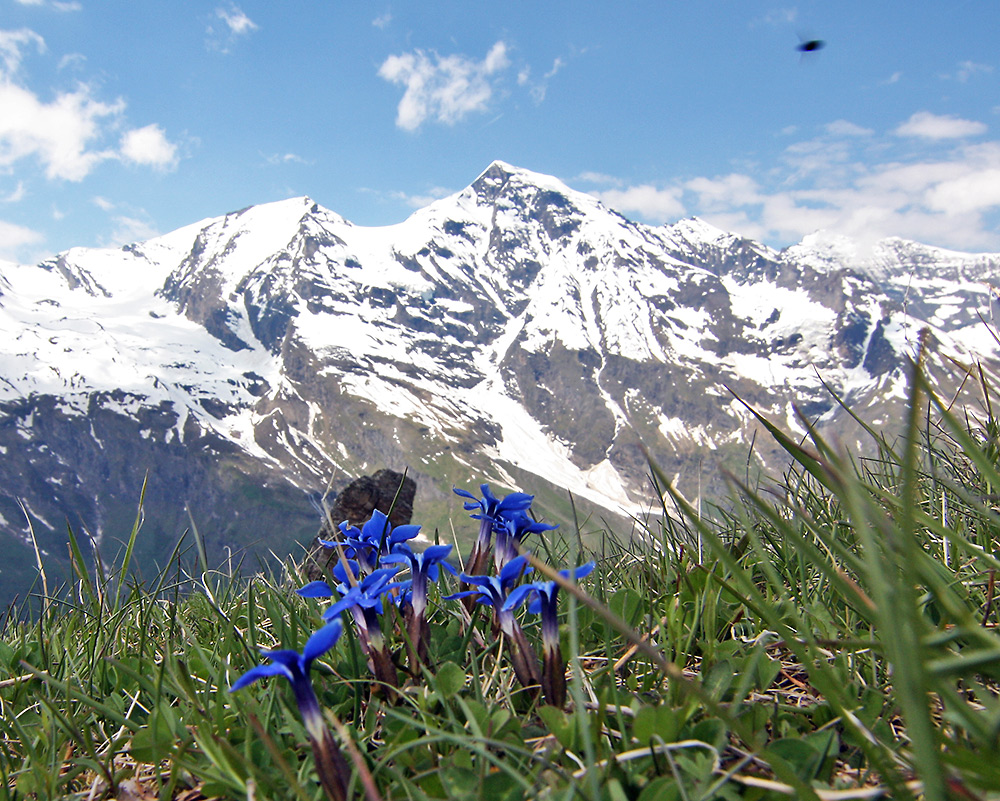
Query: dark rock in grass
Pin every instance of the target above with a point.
(388, 491)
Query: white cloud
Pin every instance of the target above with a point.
(129, 224)
(557, 65)
(894, 78)
(59, 134)
(382, 21)
(419, 201)
(846, 128)
(715, 194)
(971, 186)
(238, 22)
(149, 147)
(235, 25)
(65, 134)
(539, 89)
(131, 229)
(11, 44)
(967, 69)
(650, 202)
(496, 59)
(276, 159)
(777, 17)
(944, 201)
(16, 195)
(926, 125)
(446, 89)
(968, 193)
(15, 238)
(58, 5)
(72, 61)
(599, 178)
(825, 158)
(865, 187)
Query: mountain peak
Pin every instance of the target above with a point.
(695, 228)
(500, 176)
(498, 167)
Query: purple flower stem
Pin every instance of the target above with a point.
(330, 765)
(522, 655)
(480, 555)
(379, 659)
(554, 677)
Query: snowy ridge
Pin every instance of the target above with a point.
(515, 325)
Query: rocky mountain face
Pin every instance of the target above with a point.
(517, 332)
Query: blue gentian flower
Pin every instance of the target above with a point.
(546, 604)
(363, 599)
(295, 667)
(546, 601)
(358, 594)
(491, 510)
(493, 591)
(511, 529)
(423, 568)
(365, 593)
(376, 538)
(330, 763)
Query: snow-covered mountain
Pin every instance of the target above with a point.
(518, 331)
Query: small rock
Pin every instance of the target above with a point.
(390, 492)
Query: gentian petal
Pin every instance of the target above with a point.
(315, 589)
(515, 502)
(377, 525)
(349, 600)
(483, 597)
(260, 672)
(518, 595)
(491, 506)
(396, 558)
(482, 581)
(340, 573)
(406, 532)
(513, 569)
(398, 591)
(580, 572)
(322, 641)
(288, 658)
(378, 579)
(437, 553)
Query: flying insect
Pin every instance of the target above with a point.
(810, 45)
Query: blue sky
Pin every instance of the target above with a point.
(122, 119)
